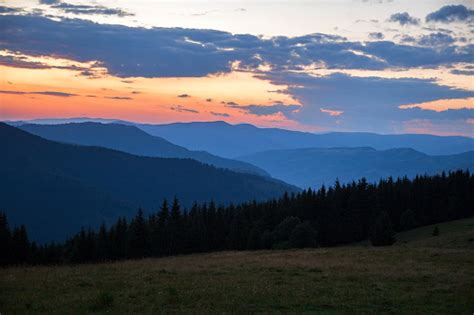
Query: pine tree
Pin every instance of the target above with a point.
(407, 220)
(138, 243)
(5, 241)
(174, 228)
(20, 245)
(382, 231)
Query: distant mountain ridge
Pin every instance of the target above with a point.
(130, 139)
(312, 167)
(232, 141)
(46, 183)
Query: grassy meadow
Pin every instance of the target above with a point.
(420, 274)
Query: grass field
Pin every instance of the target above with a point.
(420, 274)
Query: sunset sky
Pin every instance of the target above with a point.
(385, 66)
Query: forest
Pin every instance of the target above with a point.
(337, 215)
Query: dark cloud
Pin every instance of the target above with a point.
(122, 98)
(231, 103)
(88, 9)
(4, 9)
(49, 1)
(12, 61)
(404, 19)
(181, 109)
(165, 52)
(51, 93)
(371, 101)
(265, 110)
(451, 13)
(436, 39)
(462, 72)
(407, 39)
(208, 99)
(22, 62)
(184, 95)
(376, 35)
(220, 114)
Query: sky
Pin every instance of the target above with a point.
(384, 66)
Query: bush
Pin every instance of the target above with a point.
(303, 235)
(283, 230)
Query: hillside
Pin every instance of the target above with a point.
(452, 234)
(47, 184)
(132, 140)
(232, 141)
(313, 167)
(407, 278)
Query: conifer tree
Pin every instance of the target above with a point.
(138, 242)
(5, 241)
(382, 231)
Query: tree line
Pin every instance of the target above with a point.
(340, 214)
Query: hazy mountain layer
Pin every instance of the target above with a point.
(314, 166)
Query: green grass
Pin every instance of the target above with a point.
(414, 276)
(453, 234)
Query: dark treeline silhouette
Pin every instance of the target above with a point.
(338, 215)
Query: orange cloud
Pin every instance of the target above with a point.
(442, 105)
(331, 112)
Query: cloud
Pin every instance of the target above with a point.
(266, 110)
(451, 13)
(50, 93)
(376, 35)
(87, 9)
(49, 1)
(204, 13)
(208, 99)
(462, 72)
(9, 10)
(220, 114)
(123, 98)
(184, 95)
(404, 19)
(331, 112)
(371, 102)
(181, 109)
(167, 52)
(436, 39)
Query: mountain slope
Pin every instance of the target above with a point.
(45, 183)
(315, 166)
(132, 140)
(236, 140)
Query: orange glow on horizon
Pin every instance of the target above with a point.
(152, 100)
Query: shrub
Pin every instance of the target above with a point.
(303, 235)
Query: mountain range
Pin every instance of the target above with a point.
(312, 167)
(233, 141)
(130, 139)
(46, 183)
